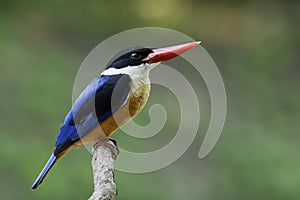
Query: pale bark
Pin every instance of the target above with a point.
(104, 154)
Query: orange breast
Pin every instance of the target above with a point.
(135, 102)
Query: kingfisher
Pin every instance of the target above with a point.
(111, 99)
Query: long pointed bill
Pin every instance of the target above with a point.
(167, 53)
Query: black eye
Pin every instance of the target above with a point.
(135, 56)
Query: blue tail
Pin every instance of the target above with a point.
(44, 172)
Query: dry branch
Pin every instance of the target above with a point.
(104, 154)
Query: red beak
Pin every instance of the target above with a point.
(167, 53)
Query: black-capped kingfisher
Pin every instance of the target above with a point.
(119, 92)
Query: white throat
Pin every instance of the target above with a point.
(135, 72)
(139, 75)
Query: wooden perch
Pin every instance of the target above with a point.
(104, 153)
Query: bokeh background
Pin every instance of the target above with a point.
(254, 43)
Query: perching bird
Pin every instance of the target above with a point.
(110, 100)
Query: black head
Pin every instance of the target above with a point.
(136, 56)
(132, 56)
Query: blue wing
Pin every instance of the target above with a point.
(92, 107)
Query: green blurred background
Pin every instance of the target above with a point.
(254, 43)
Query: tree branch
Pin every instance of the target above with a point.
(104, 153)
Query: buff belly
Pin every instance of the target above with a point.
(135, 103)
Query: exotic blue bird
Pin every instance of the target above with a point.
(110, 100)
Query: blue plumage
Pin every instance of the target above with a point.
(68, 129)
(44, 172)
(107, 93)
(92, 107)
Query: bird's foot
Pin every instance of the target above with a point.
(110, 143)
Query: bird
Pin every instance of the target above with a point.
(111, 99)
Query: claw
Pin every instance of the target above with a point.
(110, 143)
